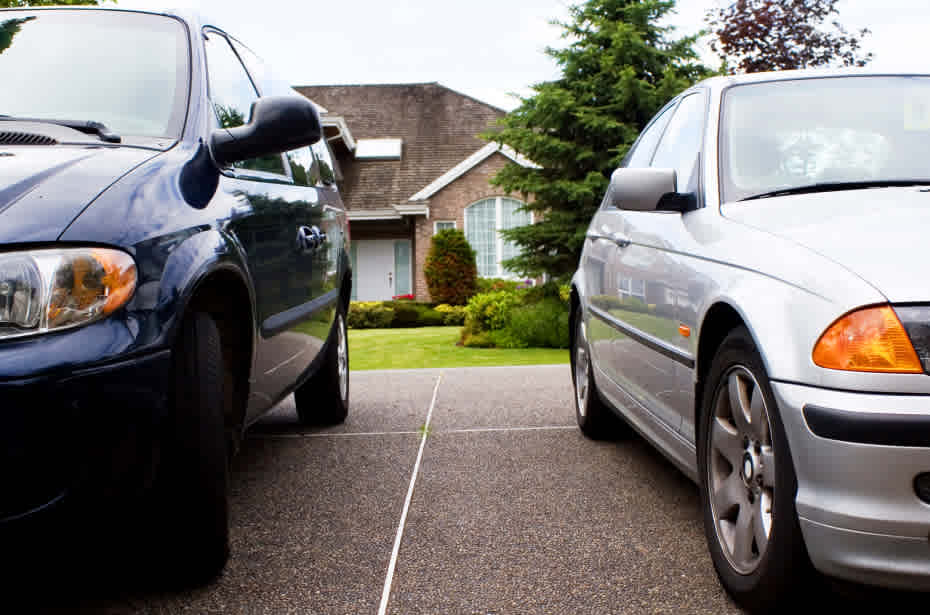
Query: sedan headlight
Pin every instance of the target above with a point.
(47, 290)
(872, 339)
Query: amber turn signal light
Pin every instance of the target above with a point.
(868, 340)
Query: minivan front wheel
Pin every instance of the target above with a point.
(190, 513)
(748, 483)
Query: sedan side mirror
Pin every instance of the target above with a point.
(646, 190)
(278, 124)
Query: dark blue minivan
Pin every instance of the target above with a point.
(173, 262)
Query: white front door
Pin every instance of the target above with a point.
(374, 269)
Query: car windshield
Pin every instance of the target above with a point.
(128, 71)
(788, 135)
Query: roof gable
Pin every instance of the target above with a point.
(467, 165)
(438, 127)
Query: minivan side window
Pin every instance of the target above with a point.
(232, 95)
(641, 155)
(681, 143)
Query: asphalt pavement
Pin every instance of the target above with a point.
(511, 511)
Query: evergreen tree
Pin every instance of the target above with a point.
(618, 69)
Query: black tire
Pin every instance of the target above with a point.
(191, 503)
(324, 398)
(776, 574)
(595, 419)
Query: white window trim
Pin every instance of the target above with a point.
(438, 222)
(498, 219)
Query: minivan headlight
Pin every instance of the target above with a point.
(47, 290)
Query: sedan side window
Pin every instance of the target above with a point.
(232, 95)
(641, 154)
(681, 143)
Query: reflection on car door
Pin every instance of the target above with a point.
(270, 214)
(651, 359)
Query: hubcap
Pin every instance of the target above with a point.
(741, 470)
(342, 358)
(581, 371)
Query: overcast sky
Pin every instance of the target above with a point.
(485, 48)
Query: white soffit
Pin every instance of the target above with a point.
(468, 164)
(340, 123)
(378, 149)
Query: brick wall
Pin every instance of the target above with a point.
(449, 204)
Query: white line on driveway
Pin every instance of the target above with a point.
(386, 593)
(285, 436)
(276, 436)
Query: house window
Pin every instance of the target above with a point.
(483, 220)
(630, 287)
(442, 225)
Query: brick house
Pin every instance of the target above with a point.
(409, 163)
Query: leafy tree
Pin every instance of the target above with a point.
(450, 268)
(765, 35)
(618, 69)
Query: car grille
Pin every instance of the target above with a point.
(25, 138)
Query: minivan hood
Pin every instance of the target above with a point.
(879, 234)
(44, 187)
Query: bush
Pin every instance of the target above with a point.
(450, 269)
(478, 340)
(369, 315)
(543, 324)
(452, 315)
(490, 285)
(489, 311)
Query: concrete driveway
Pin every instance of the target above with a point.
(511, 510)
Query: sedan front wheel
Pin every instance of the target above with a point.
(748, 483)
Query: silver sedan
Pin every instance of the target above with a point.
(754, 299)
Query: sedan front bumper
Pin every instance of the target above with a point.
(859, 513)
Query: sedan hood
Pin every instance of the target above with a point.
(879, 234)
(44, 187)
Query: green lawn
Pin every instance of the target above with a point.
(435, 347)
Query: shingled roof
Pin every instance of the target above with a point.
(438, 126)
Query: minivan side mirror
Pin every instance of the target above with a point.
(645, 190)
(278, 124)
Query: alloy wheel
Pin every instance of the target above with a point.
(582, 366)
(741, 470)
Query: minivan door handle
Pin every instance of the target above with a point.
(309, 238)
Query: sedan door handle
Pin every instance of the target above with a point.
(616, 238)
(619, 239)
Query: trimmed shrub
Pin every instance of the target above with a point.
(412, 314)
(369, 315)
(452, 315)
(450, 269)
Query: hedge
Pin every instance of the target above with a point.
(393, 314)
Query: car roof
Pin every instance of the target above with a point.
(188, 16)
(807, 73)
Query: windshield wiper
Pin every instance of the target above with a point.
(87, 127)
(836, 186)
